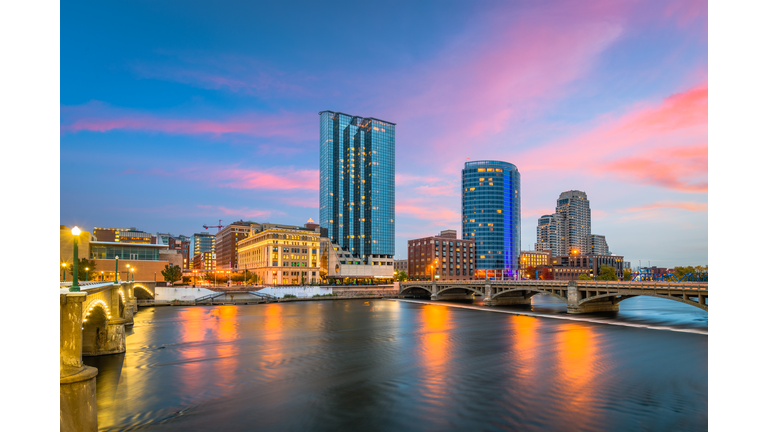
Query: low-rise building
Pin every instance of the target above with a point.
(535, 258)
(570, 267)
(122, 235)
(401, 265)
(226, 243)
(281, 254)
(342, 266)
(444, 255)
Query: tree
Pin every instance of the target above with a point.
(583, 276)
(680, 272)
(171, 273)
(82, 264)
(627, 274)
(401, 276)
(545, 273)
(607, 273)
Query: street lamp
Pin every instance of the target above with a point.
(127, 272)
(63, 272)
(133, 275)
(102, 276)
(75, 285)
(117, 258)
(86, 274)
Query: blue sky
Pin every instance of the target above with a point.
(178, 114)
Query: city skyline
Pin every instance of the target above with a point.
(185, 124)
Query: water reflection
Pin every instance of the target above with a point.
(577, 370)
(378, 365)
(435, 327)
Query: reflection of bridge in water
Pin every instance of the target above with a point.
(92, 322)
(580, 296)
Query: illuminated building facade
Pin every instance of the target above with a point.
(122, 235)
(575, 220)
(357, 185)
(548, 234)
(281, 254)
(453, 259)
(535, 259)
(226, 243)
(490, 207)
(203, 243)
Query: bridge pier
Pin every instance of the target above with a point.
(108, 338)
(77, 382)
(514, 298)
(128, 312)
(601, 305)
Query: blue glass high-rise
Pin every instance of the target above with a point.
(490, 210)
(357, 183)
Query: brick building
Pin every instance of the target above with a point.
(570, 267)
(451, 258)
(226, 243)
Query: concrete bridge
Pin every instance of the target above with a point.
(92, 322)
(579, 296)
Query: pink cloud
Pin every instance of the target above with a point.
(436, 213)
(274, 179)
(686, 205)
(652, 144)
(98, 117)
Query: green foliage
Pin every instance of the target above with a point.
(324, 295)
(607, 273)
(680, 272)
(583, 277)
(186, 280)
(627, 274)
(171, 273)
(253, 278)
(82, 264)
(401, 276)
(289, 296)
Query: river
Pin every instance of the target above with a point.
(384, 365)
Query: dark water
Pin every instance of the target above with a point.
(394, 366)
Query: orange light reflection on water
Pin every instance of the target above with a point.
(577, 356)
(435, 327)
(524, 344)
(272, 336)
(192, 335)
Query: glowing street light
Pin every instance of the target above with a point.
(63, 272)
(75, 285)
(133, 275)
(117, 258)
(86, 274)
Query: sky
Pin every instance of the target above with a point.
(177, 114)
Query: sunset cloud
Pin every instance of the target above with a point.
(99, 117)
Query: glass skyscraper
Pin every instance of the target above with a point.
(357, 183)
(490, 210)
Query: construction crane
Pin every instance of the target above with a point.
(219, 226)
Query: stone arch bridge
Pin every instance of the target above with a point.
(93, 322)
(579, 296)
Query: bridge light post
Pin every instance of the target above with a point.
(127, 272)
(133, 275)
(63, 272)
(75, 285)
(117, 258)
(86, 274)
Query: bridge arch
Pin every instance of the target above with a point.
(617, 298)
(95, 320)
(420, 290)
(442, 290)
(532, 292)
(143, 293)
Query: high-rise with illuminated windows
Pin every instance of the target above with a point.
(357, 185)
(490, 209)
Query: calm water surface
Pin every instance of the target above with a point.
(394, 366)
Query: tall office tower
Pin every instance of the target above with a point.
(548, 234)
(575, 223)
(357, 184)
(598, 245)
(490, 210)
(204, 244)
